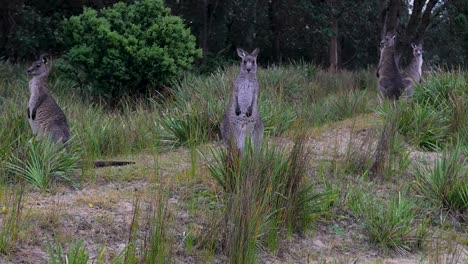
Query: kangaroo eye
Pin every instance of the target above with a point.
(37, 66)
(245, 62)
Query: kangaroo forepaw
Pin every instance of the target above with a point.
(249, 112)
(238, 111)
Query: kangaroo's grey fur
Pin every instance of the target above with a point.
(390, 78)
(413, 72)
(242, 118)
(44, 115)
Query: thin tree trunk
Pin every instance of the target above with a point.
(334, 46)
(275, 27)
(205, 32)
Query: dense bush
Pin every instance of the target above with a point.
(127, 48)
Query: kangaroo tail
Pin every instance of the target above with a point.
(111, 163)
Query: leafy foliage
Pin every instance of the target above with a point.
(127, 48)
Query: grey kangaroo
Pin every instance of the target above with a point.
(413, 72)
(45, 116)
(390, 79)
(242, 118)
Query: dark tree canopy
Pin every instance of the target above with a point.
(332, 33)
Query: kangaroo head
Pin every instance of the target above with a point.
(39, 67)
(388, 41)
(417, 50)
(249, 61)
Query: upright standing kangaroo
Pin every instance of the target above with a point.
(390, 78)
(413, 72)
(242, 118)
(44, 115)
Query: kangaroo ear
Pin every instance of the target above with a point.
(394, 35)
(44, 58)
(241, 53)
(413, 45)
(255, 52)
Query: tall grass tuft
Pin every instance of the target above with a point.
(45, 161)
(266, 197)
(183, 127)
(156, 245)
(13, 219)
(445, 183)
(389, 224)
(438, 113)
(77, 253)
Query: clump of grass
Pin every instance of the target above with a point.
(156, 245)
(266, 197)
(445, 183)
(183, 127)
(437, 113)
(13, 219)
(389, 224)
(277, 117)
(45, 161)
(77, 253)
(336, 107)
(390, 157)
(14, 132)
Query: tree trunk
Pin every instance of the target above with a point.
(392, 17)
(8, 22)
(275, 27)
(334, 46)
(205, 32)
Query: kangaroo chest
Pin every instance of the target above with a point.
(246, 96)
(33, 99)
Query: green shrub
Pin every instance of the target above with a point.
(127, 48)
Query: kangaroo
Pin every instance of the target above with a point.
(413, 72)
(45, 116)
(390, 78)
(242, 118)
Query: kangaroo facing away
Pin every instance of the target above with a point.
(390, 83)
(45, 116)
(413, 72)
(242, 118)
